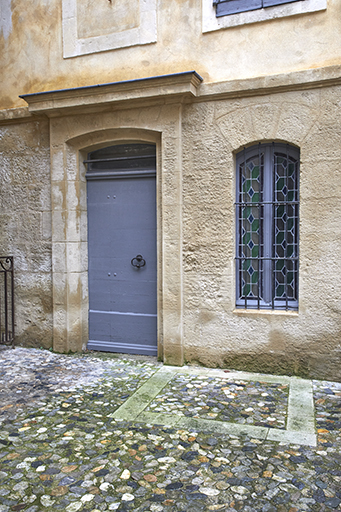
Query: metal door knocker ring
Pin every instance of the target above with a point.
(138, 261)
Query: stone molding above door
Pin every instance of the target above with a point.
(88, 118)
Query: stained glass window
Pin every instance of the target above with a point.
(267, 227)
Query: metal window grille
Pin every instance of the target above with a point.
(267, 216)
(123, 160)
(6, 300)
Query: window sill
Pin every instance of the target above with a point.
(211, 23)
(265, 312)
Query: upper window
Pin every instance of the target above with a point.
(122, 160)
(232, 13)
(267, 216)
(224, 7)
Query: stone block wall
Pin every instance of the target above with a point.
(25, 225)
(307, 342)
(197, 139)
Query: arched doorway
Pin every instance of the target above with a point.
(122, 268)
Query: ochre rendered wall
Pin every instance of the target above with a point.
(31, 46)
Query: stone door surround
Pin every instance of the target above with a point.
(88, 118)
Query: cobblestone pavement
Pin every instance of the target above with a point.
(72, 437)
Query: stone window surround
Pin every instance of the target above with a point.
(210, 22)
(268, 150)
(73, 46)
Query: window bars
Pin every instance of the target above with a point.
(267, 217)
(123, 160)
(6, 301)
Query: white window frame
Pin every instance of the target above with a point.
(210, 22)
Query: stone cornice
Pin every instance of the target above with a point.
(177, 87)
(95, 98)
(15, 114)
(295, 81)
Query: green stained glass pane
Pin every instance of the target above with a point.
(279, 265)
(290, 251)
(280, 184)
(255, 173)
(280, 210)
(255, 252)
(280, 289)
(250, 278)
(246, 186)
(290, 239)
(291, 169)
(279, 237)
(280, 225)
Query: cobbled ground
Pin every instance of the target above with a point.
(213, 398)
(61, 448)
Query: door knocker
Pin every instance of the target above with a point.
(138, 261)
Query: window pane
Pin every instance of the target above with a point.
(234, 6)
(285, 226)
(123, 157)
(250, 219)
(269, 3)
(267, 215)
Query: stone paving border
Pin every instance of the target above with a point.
(300, 413)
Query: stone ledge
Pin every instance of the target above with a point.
(178, 87)
(86, 99)
(15, 114)
(258, 86)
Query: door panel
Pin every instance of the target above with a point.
(118, 333)
(122, 298)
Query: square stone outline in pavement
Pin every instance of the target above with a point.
(300, 411)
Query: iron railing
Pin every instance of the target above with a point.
(6, 301)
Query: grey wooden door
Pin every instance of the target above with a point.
(122, 226)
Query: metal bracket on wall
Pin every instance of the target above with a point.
(6, 301)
